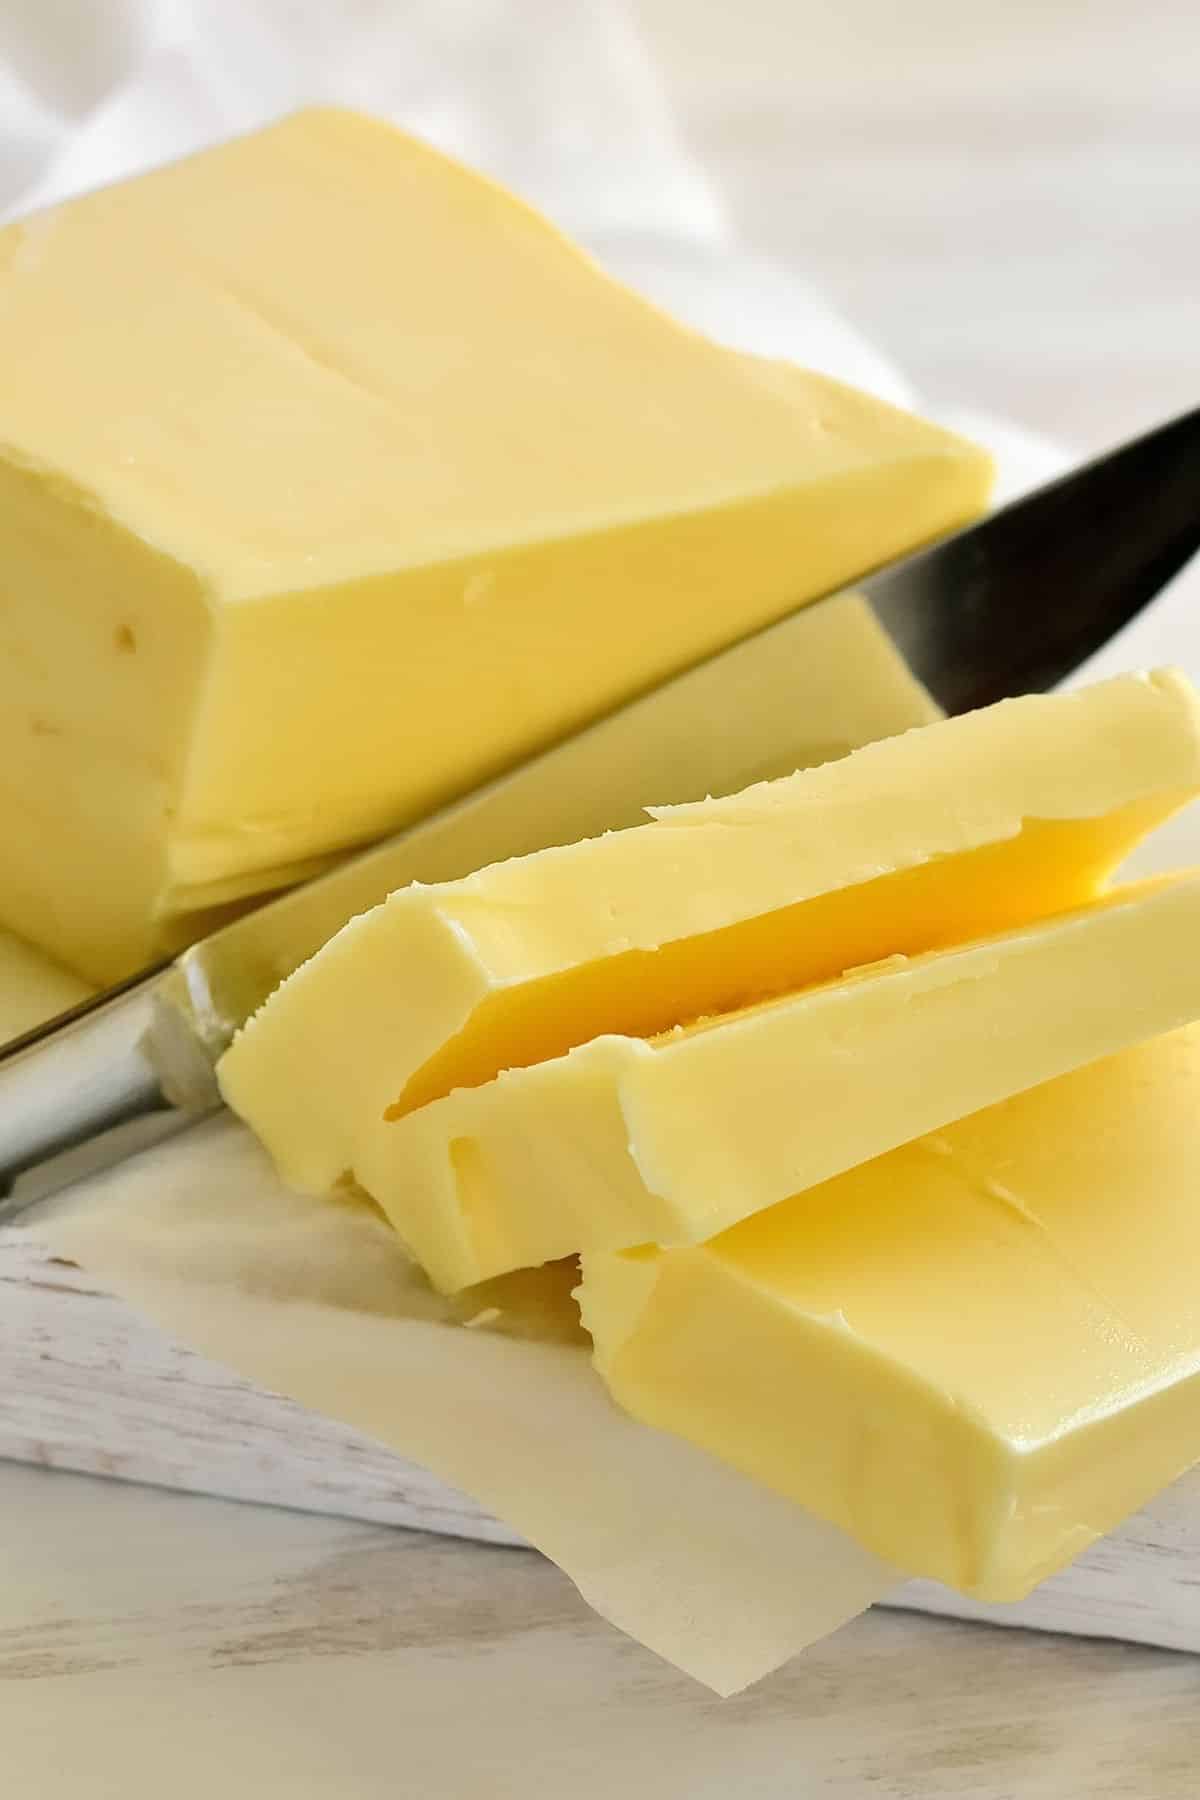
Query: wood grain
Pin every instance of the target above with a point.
(89, 1386)
(156, 1643)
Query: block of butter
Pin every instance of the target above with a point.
(978, 1353)
(625, 1141)
(967, 827)
(333, 480)
(32, 988)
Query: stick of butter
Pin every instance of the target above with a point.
(623, 1142)
(334, 480)
(967, 827)
(977, 1354)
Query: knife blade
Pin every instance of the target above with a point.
(1009, 605)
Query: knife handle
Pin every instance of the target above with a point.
(81, 1094)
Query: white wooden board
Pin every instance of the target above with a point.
(87, 1385)
(157, 1646)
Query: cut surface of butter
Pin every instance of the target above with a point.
(333, 479)
(809, 688)
(977, 1354)
(623, 1142)
(32, 988)
(945, 834)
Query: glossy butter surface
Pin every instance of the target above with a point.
(936, 837)
(978, 1353)
(623, 1141)
(332, 480)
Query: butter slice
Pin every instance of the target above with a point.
(333, 480)
(623, 1142)
(977, 1354)
(945, 834)
(32, 988)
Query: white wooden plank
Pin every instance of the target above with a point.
(155, 1644)
(86, 1384)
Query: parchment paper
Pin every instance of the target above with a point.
(493, 1391)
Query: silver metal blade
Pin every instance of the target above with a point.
(1007, 606)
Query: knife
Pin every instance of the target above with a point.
(1007, 606)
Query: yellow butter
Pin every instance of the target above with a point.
(942, 835)
(333, 479)
(623, 1141)
(977, 1354)
(774, 702)
(32, 988)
